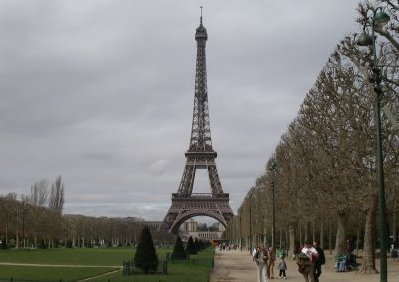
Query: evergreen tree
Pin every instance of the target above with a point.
(197, 244)
(178, 250)
(3, 244)
(42, 244)
(69, 244)
(191, 246)
(146, 257)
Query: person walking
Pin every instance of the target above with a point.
(321, 260)
(282, 267)
(261, 257)
(312, 254)
(271, 262)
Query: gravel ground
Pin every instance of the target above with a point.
(238, 266)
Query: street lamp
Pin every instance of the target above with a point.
(250, 222)
(377, 21)
(273, 167)
(239, 213)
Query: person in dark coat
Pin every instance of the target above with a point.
(321, 259)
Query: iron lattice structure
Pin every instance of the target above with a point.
(200, 155)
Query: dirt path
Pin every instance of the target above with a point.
(60, 265)
(233, 266)
(238, 267)
(99, 276)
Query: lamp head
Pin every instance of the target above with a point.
(380, 19)
(273, 164)
(364, 39)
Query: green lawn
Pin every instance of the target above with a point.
(50, 273)
(85, 256)
(195, 270)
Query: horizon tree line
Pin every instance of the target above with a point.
(36, 221)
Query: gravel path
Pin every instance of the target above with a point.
(237, 266)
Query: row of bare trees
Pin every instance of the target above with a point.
(36, 220)
(325, 179)
(28, 219)
(81, 231)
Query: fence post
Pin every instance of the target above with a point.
(165, 266)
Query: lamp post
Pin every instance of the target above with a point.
(377, 21)
(250, 222)
(273, 167)
(239, 214)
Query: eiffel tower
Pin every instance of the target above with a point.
(200, 155)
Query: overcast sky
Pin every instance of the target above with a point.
(101, 92)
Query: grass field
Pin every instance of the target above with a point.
(197, 269)
(50, 273)
(86, 256)
(96, 262)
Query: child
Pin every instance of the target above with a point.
(282, 267)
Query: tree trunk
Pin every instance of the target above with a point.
(340, 244)
(286, 239)
(264, 236)
(306, 225)
(300, 232)
(321, 234)
(330, 238)
(368, 265)
(394, 223)
(313, 230)
(16, 240)
(358, 238)
(291, 231)
(281, 238)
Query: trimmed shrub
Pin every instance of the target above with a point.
(146, 257)
(191, 247)
(69, 244)
(197, 244)
(3, 245)
(178, 250)
(42, 244)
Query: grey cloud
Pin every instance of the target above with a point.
(101, 92)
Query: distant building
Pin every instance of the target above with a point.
(190, 228)
(152, 225)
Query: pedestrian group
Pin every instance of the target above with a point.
(309, 262)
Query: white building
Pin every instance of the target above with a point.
(190, 228)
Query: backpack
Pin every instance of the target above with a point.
(265, 256)
(261, 256)
(303, 263)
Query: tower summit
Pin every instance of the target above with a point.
(200, 155)
(200, 34)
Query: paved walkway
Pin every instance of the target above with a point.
(238, 266)
(233, 266)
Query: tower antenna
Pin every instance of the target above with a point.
(201, 15)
